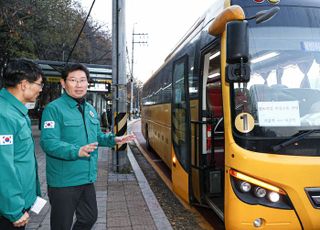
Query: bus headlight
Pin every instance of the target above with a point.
(245, 186)
(274, 197)
(260, 192)
(253, 191)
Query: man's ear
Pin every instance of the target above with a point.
(23, 84)
(63, 83)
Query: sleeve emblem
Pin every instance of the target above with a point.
(6, 139)
(48, 124)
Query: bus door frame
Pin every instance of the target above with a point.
(204, 117)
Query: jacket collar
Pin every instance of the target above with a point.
(70, 100)
(14, 101)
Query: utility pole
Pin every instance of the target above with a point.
(119, 82)
(142, 40)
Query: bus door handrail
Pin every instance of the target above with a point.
(210, 121)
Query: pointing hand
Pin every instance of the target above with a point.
(125, 138)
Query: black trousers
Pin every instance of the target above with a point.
(69, 200)
(5, 224)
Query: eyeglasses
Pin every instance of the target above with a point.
(39, 84)
(75, 81)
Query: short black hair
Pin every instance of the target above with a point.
(20, 69)
(74, 67)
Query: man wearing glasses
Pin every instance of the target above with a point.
(19, 184)
(70, 136)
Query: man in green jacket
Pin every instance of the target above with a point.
(19, 184)
(69, 137)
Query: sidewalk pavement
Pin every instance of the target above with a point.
(125, 201)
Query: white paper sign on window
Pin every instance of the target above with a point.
(278, 113)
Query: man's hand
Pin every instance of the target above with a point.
(85, 151)
(22, 221)
(125, 138)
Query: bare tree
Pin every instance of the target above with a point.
(47, 30)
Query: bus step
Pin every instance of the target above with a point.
(215, 186)
(215, 207)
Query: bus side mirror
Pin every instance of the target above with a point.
(237, 68)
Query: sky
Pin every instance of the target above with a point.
(165, 22)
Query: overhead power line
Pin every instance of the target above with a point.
(84, 23)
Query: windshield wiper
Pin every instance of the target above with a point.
(294, 139)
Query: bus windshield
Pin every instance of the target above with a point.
(282, 97)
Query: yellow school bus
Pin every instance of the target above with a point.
(234, 112)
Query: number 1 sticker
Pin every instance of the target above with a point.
(244, 122)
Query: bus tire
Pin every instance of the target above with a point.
(147, 139)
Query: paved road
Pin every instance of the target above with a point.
(125, 201)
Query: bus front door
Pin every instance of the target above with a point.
(210, 150)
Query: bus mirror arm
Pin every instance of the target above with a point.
(264, 15)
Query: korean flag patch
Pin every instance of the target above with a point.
(6, 139)
(48, 125)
